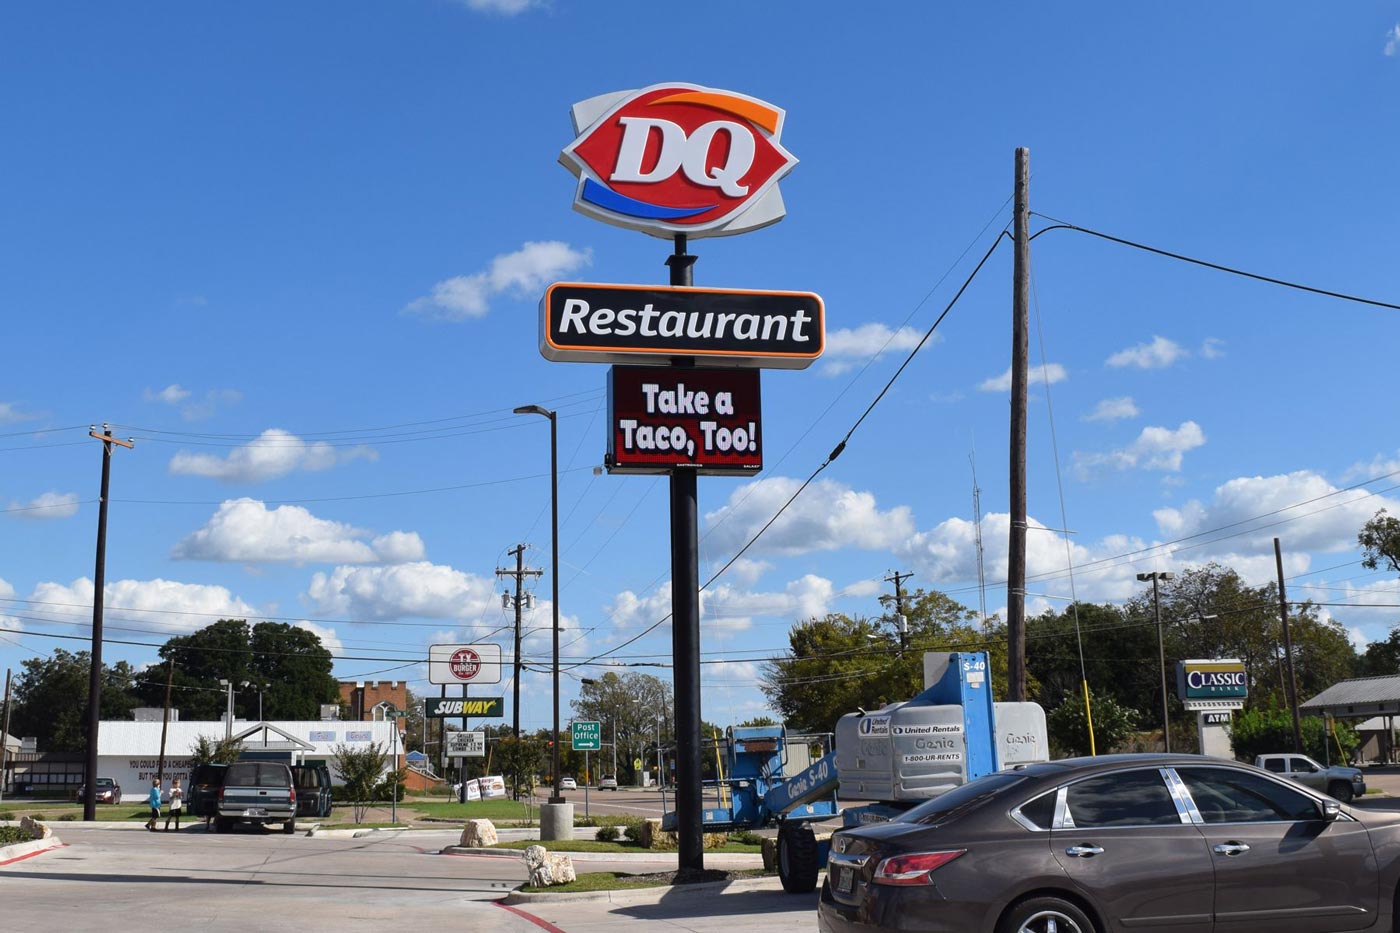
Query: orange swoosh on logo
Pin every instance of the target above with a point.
(765, 117)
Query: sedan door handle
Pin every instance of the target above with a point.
(1230, 848)
(1088, 851)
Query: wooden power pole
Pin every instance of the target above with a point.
(1020, 326)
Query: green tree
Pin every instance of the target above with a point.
(51, 698)
(209, 750)
(1380, 542)
(1381, 657)
(1255, 732)
(760, 721)
(288, 662)
(1120, 657)
(1069, 726)
(520, 759)
(361, 770)
(632, 703)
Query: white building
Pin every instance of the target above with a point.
(129, 752)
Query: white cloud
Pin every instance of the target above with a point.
(747, 572)
(1113, 409)
(10, 414)
(172, 394)
(209, 403)
(1328, 520)
(8, 623)
(524, 273)
(48, 505)
(1156, 448)
(847, 346)
(827, 516)
(1392, 41)
(329, 639)
(419, 588)
(726, 609)
(1212, 348)
(503, 7)
(274, 453)
(246, 530)
(165, 604)
(1378, 466)
(1049, 374)
(1158, 354)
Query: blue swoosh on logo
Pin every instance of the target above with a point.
(605, 197)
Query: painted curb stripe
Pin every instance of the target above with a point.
(542, 924)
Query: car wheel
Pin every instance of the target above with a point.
(1045, 915)
(1341, 790)
(222, 824)
(289, 827)
(797, 858)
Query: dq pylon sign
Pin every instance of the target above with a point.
(678, 158)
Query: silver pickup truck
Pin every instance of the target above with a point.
(1340, 782)
(257, 792)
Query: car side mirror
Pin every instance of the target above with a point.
(1331, 810)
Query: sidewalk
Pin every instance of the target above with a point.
(758, 906)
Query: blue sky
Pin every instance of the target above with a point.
(296, 250)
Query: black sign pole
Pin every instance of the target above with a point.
(685, 631)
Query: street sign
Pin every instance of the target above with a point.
(466, 745)
(648, 160)
(716, 327)
(464, 664)
(1214, 684)
(637, 763)
(588, 736)
(708, 420)
(484, 707)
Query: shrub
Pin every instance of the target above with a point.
(632, 829)
(68, 818)
(9, 835)
(746, 837)
(606, 834)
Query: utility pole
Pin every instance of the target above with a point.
(165, 719)
(519, 573)
(99, 581)
(1155, 577)
(5, 734)
(1020, 326)
(901, 622)
(1288, 654)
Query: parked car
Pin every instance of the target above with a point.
(313, 785)
(202, 794)
(1122, 842)
(608, 782)
(568, 783)
(257, 792)
(108, 791)
(1341, 782)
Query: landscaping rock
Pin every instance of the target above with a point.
(548, 868)
(479, 834)
(770, 853)
(654, 838)
(35, 829)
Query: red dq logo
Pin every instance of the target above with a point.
(677, 158)
(464, 664)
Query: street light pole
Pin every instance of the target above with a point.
(558, 796)
(228, 716)
(1161, 650)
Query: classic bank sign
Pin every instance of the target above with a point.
(678, 158)
(1218, 679)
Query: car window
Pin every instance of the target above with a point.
(1125, 798)
(960, 799)
(1225, 795)
(1303, 766)
(241, 775)
(270, 775)
(1274, 764)
(1040, 811)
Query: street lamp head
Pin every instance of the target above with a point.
(1156, 575)
(223, 683)
(535, 410)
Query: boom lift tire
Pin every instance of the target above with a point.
(797, 857)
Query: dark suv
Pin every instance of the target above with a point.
(313, 784)
(257, 792)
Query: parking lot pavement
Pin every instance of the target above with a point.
(251, 880)
(677, 909)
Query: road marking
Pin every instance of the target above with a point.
(61, 845)
(542, 924)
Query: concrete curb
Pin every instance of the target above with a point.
(23, 850)
(656, 895)
(731, 860)
(319, 833)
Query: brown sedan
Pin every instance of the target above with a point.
(1164, 843)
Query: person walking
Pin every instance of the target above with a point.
(177, 803)
(154, 801)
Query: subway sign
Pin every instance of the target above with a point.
(485, 707)
(708, 420)
(710, 327)
(678, 158)
(1219, 679)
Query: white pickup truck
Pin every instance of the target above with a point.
(1340, 782)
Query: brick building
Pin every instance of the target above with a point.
(366, 700)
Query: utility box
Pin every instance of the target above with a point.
(949, 734)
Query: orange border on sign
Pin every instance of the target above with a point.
(757, 354)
